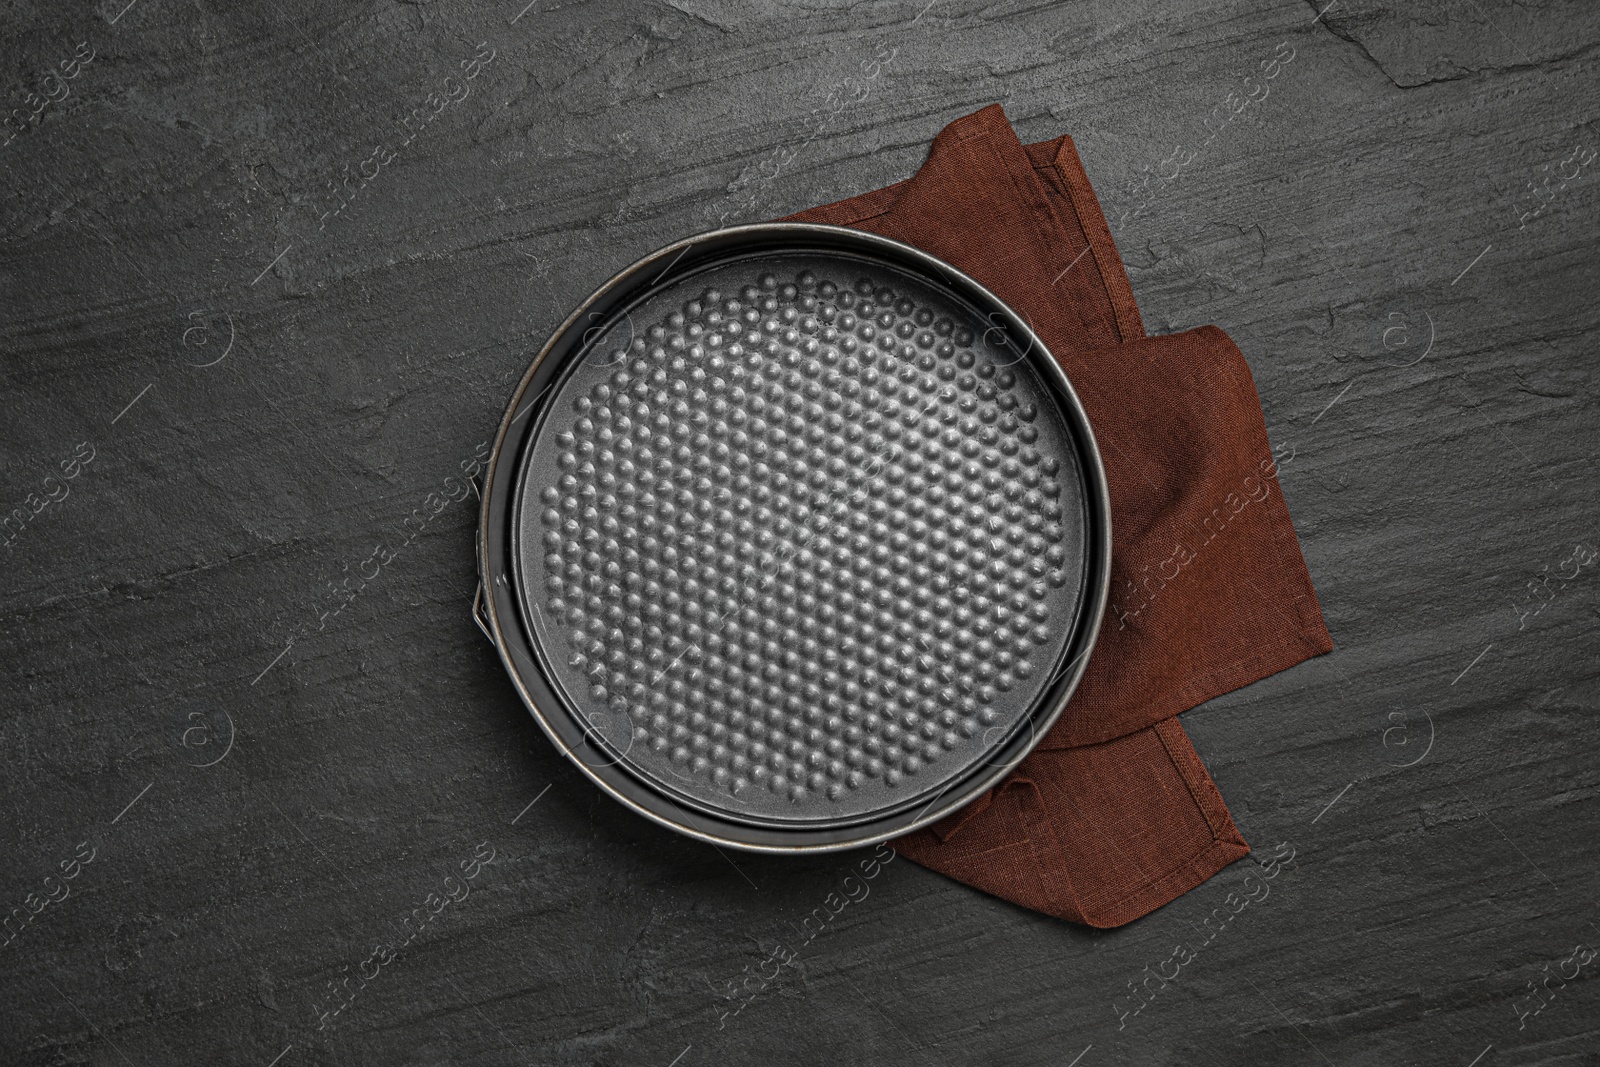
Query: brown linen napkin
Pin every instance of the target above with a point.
(1113, 814)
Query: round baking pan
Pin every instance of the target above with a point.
(794, 538)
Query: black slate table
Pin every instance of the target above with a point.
(269, 272)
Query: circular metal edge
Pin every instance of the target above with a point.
(1098, 522)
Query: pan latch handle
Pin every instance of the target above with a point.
(480, 613)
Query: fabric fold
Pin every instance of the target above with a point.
(1097, 834)
(1114, 814)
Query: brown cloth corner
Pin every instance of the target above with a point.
(1098, 834)
(1113, 814)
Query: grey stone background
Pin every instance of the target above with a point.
(269, 761)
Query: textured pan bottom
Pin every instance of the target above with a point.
(801, 538)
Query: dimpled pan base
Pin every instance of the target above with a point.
(802, 538)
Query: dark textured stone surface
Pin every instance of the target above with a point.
(1444, 440)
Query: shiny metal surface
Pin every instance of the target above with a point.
(802, 537)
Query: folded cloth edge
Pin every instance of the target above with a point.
(1056, 162)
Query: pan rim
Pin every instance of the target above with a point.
(500, 614)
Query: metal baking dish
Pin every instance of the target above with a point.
(794, 538)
